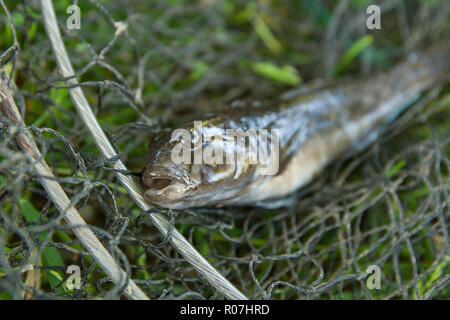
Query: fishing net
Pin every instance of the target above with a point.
(146, 66)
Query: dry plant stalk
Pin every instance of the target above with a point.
(213, 277)
(58, 196)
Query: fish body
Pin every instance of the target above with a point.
(311, 131)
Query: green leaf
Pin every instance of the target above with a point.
(302, 58)
(246, 15)
(426, 283)
(5, 295)
(50, 255)
(41, 119)
(18, 18)
(59, 95)
(142, 261)
(2, 182)
(266, 35)
(352, 52)
(32, 30)
(51, 258)
(396, 168)
(285, 74)
(29, 212)
(199, 70)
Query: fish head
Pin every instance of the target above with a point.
(181, 174)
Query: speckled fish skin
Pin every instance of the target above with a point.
(314, 129)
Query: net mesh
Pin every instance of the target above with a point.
(387, 206)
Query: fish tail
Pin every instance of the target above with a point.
(423, 70)
(395, 91)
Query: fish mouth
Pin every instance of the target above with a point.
(165, 190)
(166, 185)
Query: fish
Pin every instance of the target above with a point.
(309, 131)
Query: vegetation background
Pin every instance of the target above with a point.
(386, 206)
